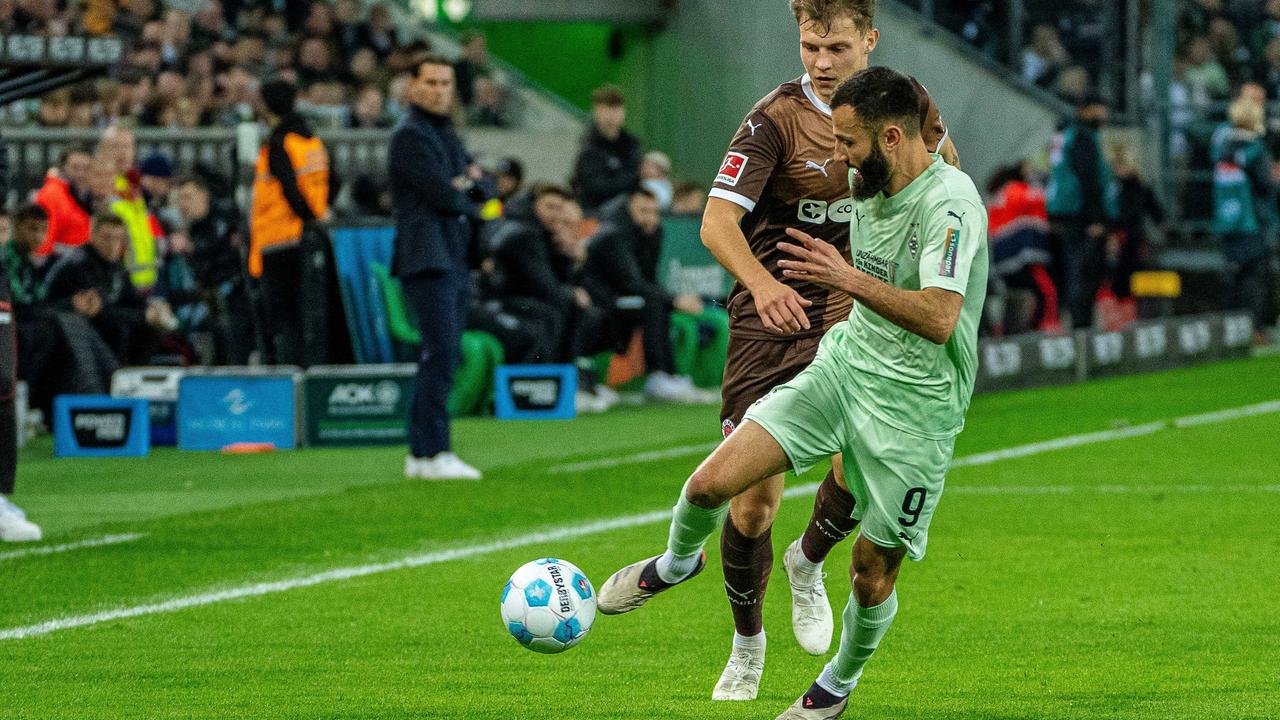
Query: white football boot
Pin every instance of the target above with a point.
(810, 610)
(741, 677)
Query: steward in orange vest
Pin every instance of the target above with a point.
(290, 188)
(288, 248)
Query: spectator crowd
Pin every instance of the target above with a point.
(199, 63)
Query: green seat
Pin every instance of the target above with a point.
(481, 352)
(697, 356)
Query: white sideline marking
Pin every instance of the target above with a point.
(667, 454)
(52, 549)
(626, 521)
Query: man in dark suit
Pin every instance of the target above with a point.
(434, 199)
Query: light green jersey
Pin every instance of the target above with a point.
(931, 234)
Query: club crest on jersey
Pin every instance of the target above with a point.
(727, 428)
(913, 244)
(952, 246)
(731, 169)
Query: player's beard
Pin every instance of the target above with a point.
(873, 175)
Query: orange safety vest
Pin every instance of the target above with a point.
(271, 220)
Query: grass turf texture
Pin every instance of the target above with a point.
(1087, 604)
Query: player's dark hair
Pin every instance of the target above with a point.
(30, 211)
(826, 12)
(879, 96)
(279, 96)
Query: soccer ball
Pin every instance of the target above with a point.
(548, 605)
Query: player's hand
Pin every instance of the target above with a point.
(814, 261)
(781, 308)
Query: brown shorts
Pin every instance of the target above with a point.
(754, 367)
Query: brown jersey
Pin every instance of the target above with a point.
(779, 168)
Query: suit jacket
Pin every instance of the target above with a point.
(432, 217)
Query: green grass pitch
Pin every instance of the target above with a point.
(1131, 578)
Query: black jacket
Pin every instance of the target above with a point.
(216, 239)
(432, 217)
(606, 168)
(622, 259)
(83, 269)
(527, 264)
(281, 166)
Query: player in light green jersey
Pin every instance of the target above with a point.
(888, 389)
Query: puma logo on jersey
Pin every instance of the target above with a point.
(809, 164)
(959, 218)
(752, 126)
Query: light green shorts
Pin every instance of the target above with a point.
(896, 478)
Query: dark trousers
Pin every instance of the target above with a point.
(653, 319)
(530, 330)
(1248, 286)
(1081, 268)
(298, 290)
(8, 383)
(440, 302)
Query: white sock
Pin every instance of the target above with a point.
(833, 686)
(674, 568)
(749, 642)
(805, 566)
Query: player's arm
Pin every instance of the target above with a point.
(781, 308)
(931, 313)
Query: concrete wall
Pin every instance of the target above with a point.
(696, 80)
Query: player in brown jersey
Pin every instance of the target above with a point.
(779, 173)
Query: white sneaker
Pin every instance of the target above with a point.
(14, 525)
(741, 677)
(445, 466)
(810, 610)
(586, 403)
(678, 389)
(607, 395)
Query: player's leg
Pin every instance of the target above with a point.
(867, 616)
(746, 554)
(749, 456)
(831, 522)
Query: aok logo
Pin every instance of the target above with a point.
(382, 393)
(817, 212)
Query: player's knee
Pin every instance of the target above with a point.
(703, 489)
(753, 518)
(872, 588)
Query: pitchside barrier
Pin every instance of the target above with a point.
(238, 406)
(1037, 360)
(357, 404)
(100, 426)
(159, 387)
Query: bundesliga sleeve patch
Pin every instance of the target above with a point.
(731, 170)
(952, 246)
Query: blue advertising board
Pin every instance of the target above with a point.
(535, 392)
(218, 410)
(100, 426)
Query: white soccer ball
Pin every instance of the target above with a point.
(548, 605)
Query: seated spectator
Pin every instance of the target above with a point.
(1018, 233)
(156, 183)
(508, 176)
(1044, 57)
(67, 200)
(655, 176)
(622, 270)
(608, 165)
(690, 199)
(532, 278)
(57, 353)
(367, 112)
(1206, 72)
(92, 281)
(213, 244)
(489, 105)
